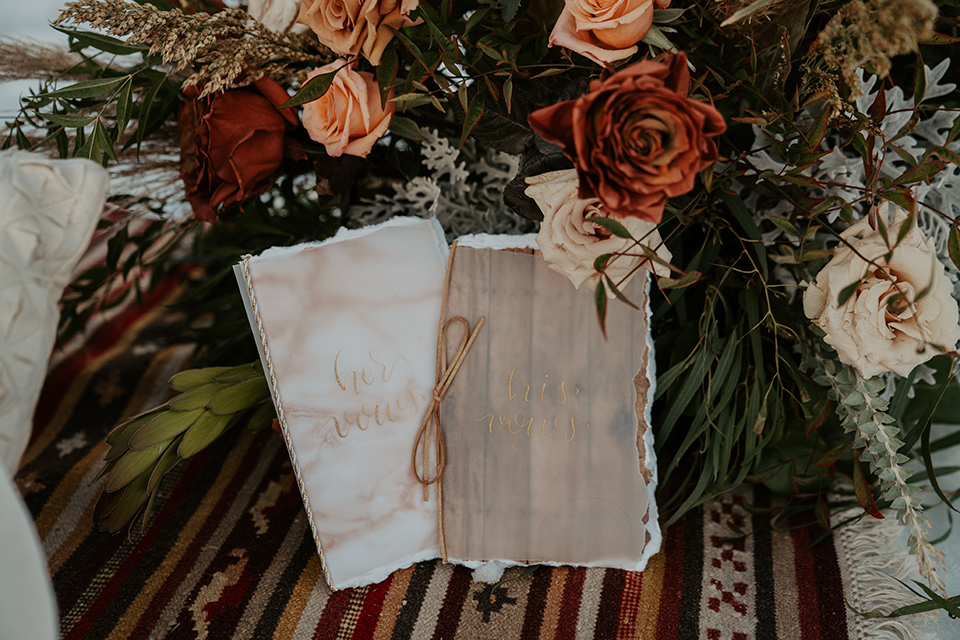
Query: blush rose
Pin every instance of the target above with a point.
(231, 144)
(635, 139)
(570, 244)
(883, 326)
(348, 118)
(604, 30)
(353, 27)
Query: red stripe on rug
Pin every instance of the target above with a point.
(329, 621)
(370, 612)
(536, 604)
(570, 607)
(449, 618)
(806, 574)
(103, 339)
(630, 605)
(829, 583)
(671, 593)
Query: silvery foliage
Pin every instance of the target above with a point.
(862, 412)
(843, 168)
(463, 189)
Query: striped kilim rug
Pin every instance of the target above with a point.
(228, 553)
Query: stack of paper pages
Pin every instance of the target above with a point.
(549, 455)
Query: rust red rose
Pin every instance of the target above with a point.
(231, 144)
(635, 139)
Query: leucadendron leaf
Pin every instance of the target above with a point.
(205, 430)
(163, 428)
(240, 396)
(187, 380)
(131, 465)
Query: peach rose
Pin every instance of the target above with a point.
(604, 30)
(279, 15)
(352, 27)
(570, 244)
(348, 118)
(635, 139)
(874, 330)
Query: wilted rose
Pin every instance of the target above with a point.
(604, 30)
(348, 118)
(635, 139)
(885, 325)
(279, 15)
(570, 244)
(352, 27)
(231, 144)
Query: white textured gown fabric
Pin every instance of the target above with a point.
(48, 213)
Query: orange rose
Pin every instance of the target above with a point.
(604, 30)
(348, 118)
(351, 27)
(636, 139)
(231, 144)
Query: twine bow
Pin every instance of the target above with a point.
(446, 371)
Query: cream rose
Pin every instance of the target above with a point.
(876, 330)
(279, 15)
(604, 30)
(352, 27)
(570, 244)
(348, 118)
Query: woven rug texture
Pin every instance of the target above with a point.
(228, 553)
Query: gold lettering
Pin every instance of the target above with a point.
(543, 390)
(521, 420)
(543, 428)
(508, 423)
(383, 374)
(367, 371)
(336, 373)
(489, 426)
(510, 393)
(573, 427)
(563, 392)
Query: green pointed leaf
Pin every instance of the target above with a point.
(819, 129)
(106, 503)
(121, 434)
(146, 109)
(862, 490)
(785, 225)
(87, 88)
(237, 374)
(131, 500)
(196, 398)
(657, 38)
(678, 283)
(746, 11)
(601, 301)
(167, 461)
(920, 81)
(406, 128)
(612, 226)
(239, 397)
(831, 456)
(193, 378)
(101, 42)
(953, 245)
(205, 430)
(314, 89)
(164, 427)
(262, 418)
(474, 113)
(131, 465)
(67, 120)
(124, 108)
(846, 292)
(387, 73)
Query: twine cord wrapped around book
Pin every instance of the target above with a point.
(446, 372)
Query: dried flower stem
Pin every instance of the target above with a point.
(230, 48)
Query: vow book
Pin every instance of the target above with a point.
(549, 455)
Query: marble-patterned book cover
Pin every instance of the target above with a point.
(347, 332)
(549, 451)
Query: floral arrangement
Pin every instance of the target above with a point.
(787, 169)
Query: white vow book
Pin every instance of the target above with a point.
(347, 332)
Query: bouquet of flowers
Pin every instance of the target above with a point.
(789, 170)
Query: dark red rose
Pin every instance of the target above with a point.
(231, 144)
(636, 139)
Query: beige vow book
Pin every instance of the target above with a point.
(549, 452)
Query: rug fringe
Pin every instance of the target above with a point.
(872, 554)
